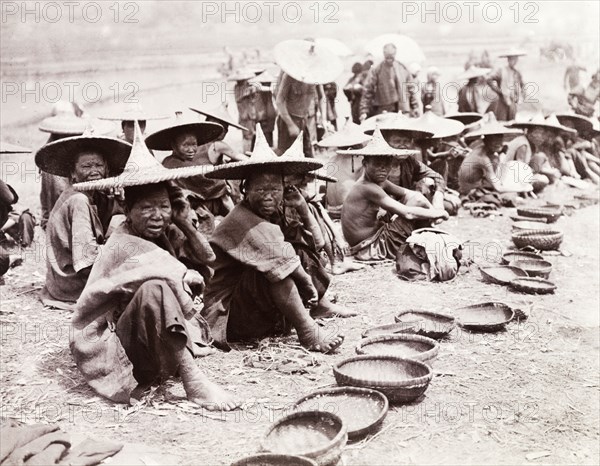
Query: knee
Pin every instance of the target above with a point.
(539, 182)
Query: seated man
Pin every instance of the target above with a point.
(478, 176)
(260, 285)
(78, 222)
(368, 237)
(138, 303)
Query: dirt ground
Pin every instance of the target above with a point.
(528, 395)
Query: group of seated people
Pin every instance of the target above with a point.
(187, 267)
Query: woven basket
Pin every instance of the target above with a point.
(534, 267)
(550, 214)
(401, 380)
(274, 459)
(533, 285)
(430, 324)
(501, 274)
(406, 346)
(362, 410)
(318, 435)
(390, 329)
(519, 255)
(485, 317)
(544, 240)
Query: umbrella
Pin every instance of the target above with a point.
(308, 62)
(335, 45)
(407, 50)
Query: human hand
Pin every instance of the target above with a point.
(193, 282)
(292, 197)
(293, 130)
(362, 117)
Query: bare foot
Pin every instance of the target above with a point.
(340, 268)
(326, 309)
(318, 340)
(209, 395)
(203, 351)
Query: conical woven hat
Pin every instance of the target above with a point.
(350, 135)
(221, 113)
(538, 121)
(8, 148)
(440, 127)
(132, 112)
(296, 152)
(395, 123)
(378, 147)
(466, 118)
(142, 168)
(473, 72)
(308, 62)
(581, 124)
(263, 159)
(513, 53)
(58, 157)
(205, 132)
(491, 127)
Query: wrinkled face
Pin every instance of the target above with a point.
(150, 216)
(185, 146)
(494, 142)
(128, 129)
(400, 141)
(89, 166)
(537, 136)
(512, 61)
(377, 169)
(389, 54)
(264, 193)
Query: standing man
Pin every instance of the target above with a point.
(508, 83)
(390, 88)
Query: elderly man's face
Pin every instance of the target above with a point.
(400, 141)
(89, 166)
(150, 216)
(389, 54)
(185, 146)
(264, 193)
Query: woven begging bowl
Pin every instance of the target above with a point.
(388, 329)
(361, 410)
(534, 267)
(544, 240)
(401, 380)
(430, 324)
(509, 257)
(318, 435)
(550, 214)
(519, 218)
(406, 346)
(533, 285)
(528, 225)
(273, 459)
(485, 317)
(502, 274)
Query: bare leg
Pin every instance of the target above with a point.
(199, 389)
(287, 299)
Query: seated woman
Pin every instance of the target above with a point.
(369, 237)
(139, 303)
(260, 286)
(188, 142)
(78, 222)
(478, 176)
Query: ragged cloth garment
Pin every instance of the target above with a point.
(133, 315)
(429, 254)
(385, 242)
(251, 253)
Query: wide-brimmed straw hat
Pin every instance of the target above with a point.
(378, 147)
(489, 126)
(513, 53)
(241, 74)
(132, 112)
(204, 131)
(466, 118)
(440, 127)
(142, 168)
(538, 121)
(474, 72)
(296, 152)
(58, 157)
(395, 123)
(350, 135)
(263, 159)
(221, 114)
(65, 124)
(308, 62)
(8, 148)
(584, 126)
